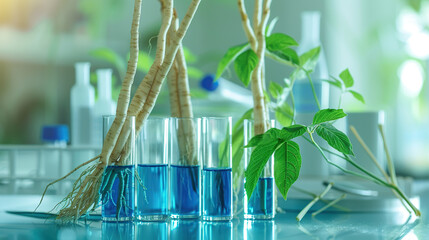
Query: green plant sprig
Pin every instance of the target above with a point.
(368, 176)
(345, 85)
(287, 158)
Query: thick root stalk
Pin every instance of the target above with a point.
(256, 37)
(85, 194)
(180, 103)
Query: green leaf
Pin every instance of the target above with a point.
(275, 89)
(110, 56)
(254, 141)
(244, 65)
(334, 82)
(347, 78)
(189, 56)
(258, 160)
(279, 42)
(326, 115)
(357, 95)
(291, 132)
(287, 164)
(288, 55)
(271, 26)
(308, 60)
(335, 138)
(229, 56)
(144, 62)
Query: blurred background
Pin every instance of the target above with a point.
(384, 43)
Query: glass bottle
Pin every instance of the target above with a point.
(306, 106)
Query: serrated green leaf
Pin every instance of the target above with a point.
(271, 134)
(254, 141)
(229, 56)
(275, 89)
(335, 138)
(347, 78)
(357, 95)
(326, 115)
(244, 65)
(291, 132)
(287, 164)
(279, 42)
(258, 160)
(144, 62)
(334, 83)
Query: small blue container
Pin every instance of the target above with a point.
(261, 204)
(152, 167)
(185, 191)
(217, 171)
(152, 204)
(217, 193)
(185, 168)
(118, 201)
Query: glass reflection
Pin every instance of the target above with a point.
(185, 229)
(152, 230)
(217, 230)
(259, 230)
(117, 230)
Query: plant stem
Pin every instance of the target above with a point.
(312, 88)
(329, 205)
(368, 151)
(341, 98)
(306, 208)
(325, 201)
(390, 164)
(336, 165)
(368, 176)
(371, 155)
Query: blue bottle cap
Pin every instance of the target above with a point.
(209, 83)
(54, 133)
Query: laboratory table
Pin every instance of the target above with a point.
(328, 225)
